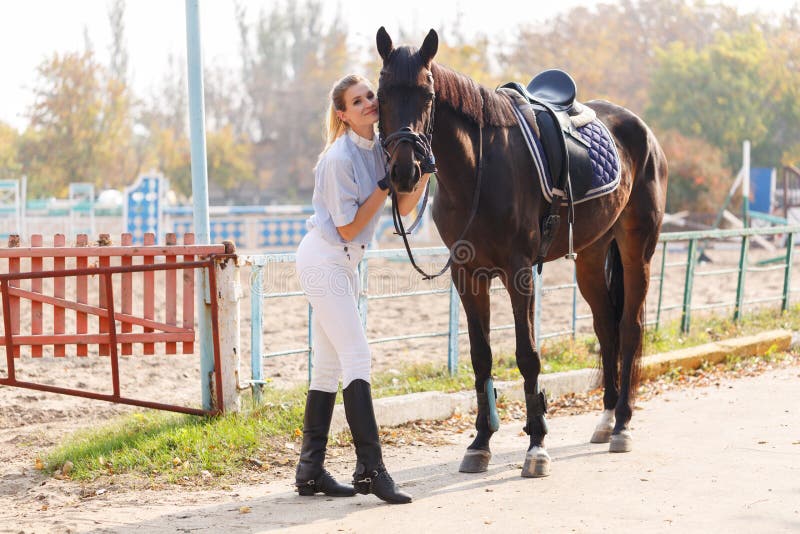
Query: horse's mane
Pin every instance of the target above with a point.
(463, 95)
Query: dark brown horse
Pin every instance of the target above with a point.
(614, 235)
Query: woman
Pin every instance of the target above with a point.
(349, 191)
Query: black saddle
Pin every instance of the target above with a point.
(552, 94)
(555, 87)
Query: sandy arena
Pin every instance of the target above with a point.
(32, 421)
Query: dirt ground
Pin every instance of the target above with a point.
(285, 320)
(693, 469)
(32, 421)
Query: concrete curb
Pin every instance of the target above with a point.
(436, 406)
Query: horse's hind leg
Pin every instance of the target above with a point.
(636, 247)
(474, 291)
(590, 268)
(520, 289)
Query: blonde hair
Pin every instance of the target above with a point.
(334, 126)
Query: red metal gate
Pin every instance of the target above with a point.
(109, 340)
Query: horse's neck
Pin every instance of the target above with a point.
(455, 145)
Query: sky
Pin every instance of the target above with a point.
(31, 30)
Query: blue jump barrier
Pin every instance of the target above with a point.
(762, 189)
(221, 230)
(281, 231)
(249, 227)
(142, 210)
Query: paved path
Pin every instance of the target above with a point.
(719, 459)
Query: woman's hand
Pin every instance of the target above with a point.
(406, 202)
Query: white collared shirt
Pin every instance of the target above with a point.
(345, 177)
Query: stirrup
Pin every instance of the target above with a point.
(571, 255)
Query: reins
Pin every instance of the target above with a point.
(406, 135)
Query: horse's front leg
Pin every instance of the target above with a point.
(474, 291)
(520, 288)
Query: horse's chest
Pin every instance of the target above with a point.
(487, 240)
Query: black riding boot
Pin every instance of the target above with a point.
(311, 477)
(370, 475)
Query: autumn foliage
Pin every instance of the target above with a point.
(704, 77)
(699, 178)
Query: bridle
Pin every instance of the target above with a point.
(421, 145)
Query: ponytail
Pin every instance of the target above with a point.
(334, 126)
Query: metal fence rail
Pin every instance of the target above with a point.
(695, 238)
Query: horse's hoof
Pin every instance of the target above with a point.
(622, 442)
(537, 463)
(602, 434)
(603, 430)
(475, 461)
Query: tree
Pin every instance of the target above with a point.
(783, 43)
(611, 50)
(230, 162)
(79, 126)
(10, 166)
(468, 55)
(118, 65)
(161, 137)
(698, 176)
(724, 93)
(290, 60)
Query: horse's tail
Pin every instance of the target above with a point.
(616, 291)
(614, 279)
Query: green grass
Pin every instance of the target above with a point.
(167, 447)
(163, 447)
(708, 328)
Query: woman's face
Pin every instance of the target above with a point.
(361, 107)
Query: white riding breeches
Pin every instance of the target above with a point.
(329, 277)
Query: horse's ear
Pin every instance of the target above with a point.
(429, 47)
(384, 43)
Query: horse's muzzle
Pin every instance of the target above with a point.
(405, 176)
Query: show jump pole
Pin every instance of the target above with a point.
(202, 229)
(746, 184)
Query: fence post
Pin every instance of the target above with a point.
(228, 295)
(686, 314)
(200, 215)
(737, 311)
(787, 273)
(14, 267)
(661, 282)
(452, 340)
(36, 307)
(59, 291)
(256, 330)
(746, 184)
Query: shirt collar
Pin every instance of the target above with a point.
(360, 142)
